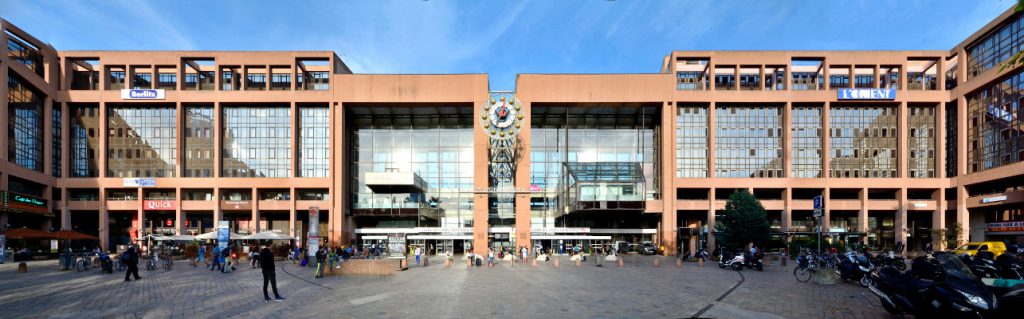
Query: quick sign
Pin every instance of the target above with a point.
(142, 94)
(1006, 227)
(139, 182)
(987, 200)
(867, 94)
(159, 205)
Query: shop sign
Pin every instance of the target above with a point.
(994, 199)
(169, 223)
(1006, 227)
(16, 201)
(444, 230)
(161, 204)
(920, 205)
(223, 234)
(561, 230)
(396, 245)
(236, 203)
(139, 182)
(143, 94)
(867, 94)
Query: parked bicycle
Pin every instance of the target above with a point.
(806, 267)
(82, 263)
(119, 265)
(151, 264)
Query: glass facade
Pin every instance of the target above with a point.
(863, 141)
(24, 53)
(921, 141)
(562, 138)
(996, 47)
(692, 141)
(436, 147)
(748, 141)
(257, 141)
(314, 141)
(84, 140)
(994, 124)
(142, 141)
(24, 124)
(805, 139)
(199, 143)
(55, 142)
(952, 122)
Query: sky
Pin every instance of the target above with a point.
(503, 38)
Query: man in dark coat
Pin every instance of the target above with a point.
(131, 259)
(269, 274)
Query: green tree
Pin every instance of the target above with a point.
(1017, 58)
(743, 222)
(952, 237)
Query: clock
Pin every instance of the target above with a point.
(502, 118)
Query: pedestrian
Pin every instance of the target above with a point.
(225, 257)
(526, 254)
(490, 257)
(419, 251)
(320, 259)
(928, 247)
(330, 258)
(201, 258)
(269, 275)
(253, 258)
(131, 259)
(215, 258)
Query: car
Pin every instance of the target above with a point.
(997, 248)
(648, 249)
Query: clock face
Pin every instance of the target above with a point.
(502, 117)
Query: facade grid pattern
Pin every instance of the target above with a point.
(24, 124)
(55, 142)
(692, 142)
(921, 146)
(257, 141)
(199, 132)
(142, 141)
(996, 47)
(805, 138)
(84, 142)
(863, 141)
(994, 124)
(314, 141)
(748, 141)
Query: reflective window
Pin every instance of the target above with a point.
(55, 143)
(199, 149)
(84, 140)
(692, 141)
(951, 139)
(748, 141)
(863, 141)
(141, 141)
(314, 141)
(997, 46)
(25, 53)
(994, 136)
(921, 141)
(257, 141)
(805, 139)
(24, 124)
(436, 147)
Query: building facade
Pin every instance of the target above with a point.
(900, 144)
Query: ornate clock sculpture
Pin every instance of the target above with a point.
(501, 121)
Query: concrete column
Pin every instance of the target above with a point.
(787, 210)
(103, 223)
(669, 220)
(480, 172)
(940, 141)
(736, 77)
(294, 141)
(141, 213)
(862, 215)
(787, 143)
(102, 135)
(6, 121)
(255, 223)
(962, 214)
(269, 75)
(939, 218)
(902, 149)
(65, 214)
(179, 216)
(180, 141)
(291, 216)
(522, 182)
(901, 219)
(760, 79)
(711, 219)
(961, 141)
(711, 140)
(218, 213)
(825, 72)
(711, 75)
(218, 138)
(339, 173)
(826, 218)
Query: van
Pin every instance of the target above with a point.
(972, 248)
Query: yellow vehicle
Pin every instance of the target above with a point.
(997, 248)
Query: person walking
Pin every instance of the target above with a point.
(225, 257)
(201, 256)
(320, 259)
(215, 259)
(254, 259)
(269, 275)
(132, 261)
(419, 251)
(490, 257)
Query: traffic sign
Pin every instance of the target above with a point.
(819, 203)
(818, 212)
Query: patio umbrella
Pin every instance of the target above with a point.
(213, 235)
(72, 235)
(28, 233)
(268, 235)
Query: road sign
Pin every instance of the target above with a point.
(819, 203)
(819, 212)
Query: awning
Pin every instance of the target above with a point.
(570, 237)
(267, 235)
(436, 237)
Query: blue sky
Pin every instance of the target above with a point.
(503, 38)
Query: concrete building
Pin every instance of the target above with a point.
(122, 144)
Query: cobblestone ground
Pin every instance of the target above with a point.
(638, 290)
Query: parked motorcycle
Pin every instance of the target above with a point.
(742, 260)
(936, 286)
(885, 260)
(857, 268)
(981, 264)
(106, 264)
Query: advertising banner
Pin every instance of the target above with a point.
(1006, 227)
(223, 234)
(313, 234)
(3, 247)
(161, 204)
(143, 94)
(138, 182)
(396, 245)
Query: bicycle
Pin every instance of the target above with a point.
(151, 264)
(805, 268)
(83, 263)
(119, 265)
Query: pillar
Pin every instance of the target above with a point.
(939, 218)
(669, 219)
(711, 219)
(862, 215)
(480, 173)
(254, 224)
(901, 220)
(522, 182)
(179, 216)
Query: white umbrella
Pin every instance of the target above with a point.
(268, 235)
(213, 235)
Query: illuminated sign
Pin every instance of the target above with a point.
(28, 200)
(867, 94)
(19, 202)
(142, 94)
(1006, 227)
(987, 200)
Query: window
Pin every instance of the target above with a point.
(692, 141)
(55, 142)
(167, 81)
(280, 81)
(314, 141)
(870, 129)
(149, 131)
(921, 141)
(256, 81)
(199, 122)
(21, 51)
(116, 79)
(805, 140)
(24, 124)
(994, 136)
(748, 141)
(995, 47)
(84, 120)
(247, 155)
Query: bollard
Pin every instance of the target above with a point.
(405, 264)
(426, 261)
(578, 263)
(657, 262)
(619, 261)
(534, 262)
(556, 262)
(679, 262)
(22, 267)
(701, 261)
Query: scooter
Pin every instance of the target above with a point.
(106, 263)
(745, 261)
(936, 286)
(856, 268)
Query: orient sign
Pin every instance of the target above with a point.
(142, 94)
(867, 94)
(158, 205)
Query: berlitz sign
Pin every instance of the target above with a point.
(867, 94)
(158, 205)
(139, 182)
(142, 94)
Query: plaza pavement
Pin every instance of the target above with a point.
(637, 290)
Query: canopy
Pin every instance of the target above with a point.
(27, 233)
(171, 238)
(72, 235)
(213, 235)
(268, 235)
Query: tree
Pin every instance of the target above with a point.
(743, 222)
(1017, 58)
(952, 237)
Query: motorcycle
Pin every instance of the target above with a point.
(884, 260)
(106, 264)
(743, 260)
(936, 286)
(856, 268)
(982, 264)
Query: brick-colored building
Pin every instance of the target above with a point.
(898, 143)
